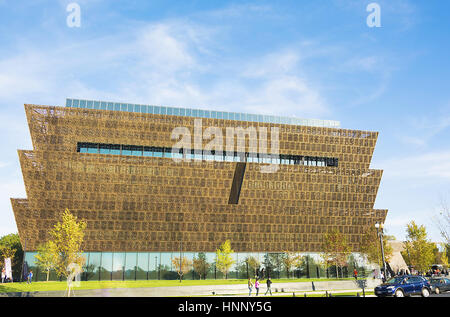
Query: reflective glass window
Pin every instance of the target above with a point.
(136, 150)
(167, 152)
(142, 266)
(106, 266)
(158, 152)
(166, 270)
(118, 265)
(115, 149)
(130, 265)
(148, 151)
(93, 264)
(92, 148)
(126, 149)
(154, 261)
(105, 149)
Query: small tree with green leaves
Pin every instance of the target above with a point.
(13, 249)
(419, 252)
(46, 257)
(253, 263)
(224, 258)
(291, 260)
(370, 246)
(67, 237)
(201, 265)
(444, 256)
(182, 265)
(335, 249)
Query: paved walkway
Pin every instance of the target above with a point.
(278, 289)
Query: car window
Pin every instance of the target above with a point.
(394, 280)
(447, 281)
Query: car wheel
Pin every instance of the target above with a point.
(437, 290)
(399, 293)
(425, 292)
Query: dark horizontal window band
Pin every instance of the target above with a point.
(152, 151)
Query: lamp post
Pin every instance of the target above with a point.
(379, 227)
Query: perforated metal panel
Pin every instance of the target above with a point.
(142, 203)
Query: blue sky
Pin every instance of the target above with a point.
(310, 59)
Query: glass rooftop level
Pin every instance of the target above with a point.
(198, 113)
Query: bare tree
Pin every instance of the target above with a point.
(442, 221)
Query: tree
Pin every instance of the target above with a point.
(67, 237)
(273, 262)
(291, 260)
(224, 258)
(253, 263)
(442, 221)
(370, 246)
(444, 256)
(201, 266)
(419, 252)
(46, 257)
(182, 266)
(12, 248)
(335, 249)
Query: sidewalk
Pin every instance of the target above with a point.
(281, 289)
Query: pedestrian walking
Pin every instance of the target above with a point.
(30, 277)
(250, 287)
(355, 274)
(257, 286)
(269, 284)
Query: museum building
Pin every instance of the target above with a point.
(146, 199)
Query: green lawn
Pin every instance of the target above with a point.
(61, 286)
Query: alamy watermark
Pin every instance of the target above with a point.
(190, 148)
(73, 278)
(74, 18)
(374, 18)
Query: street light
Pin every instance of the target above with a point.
(379, 227)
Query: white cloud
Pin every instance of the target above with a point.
(429, 166)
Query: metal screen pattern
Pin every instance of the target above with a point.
(147, 204)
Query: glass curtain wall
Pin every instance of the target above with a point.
(106, 266)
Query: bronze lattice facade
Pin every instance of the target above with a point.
(148, 204)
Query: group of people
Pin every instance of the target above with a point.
(6, 279)
(257, 285)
